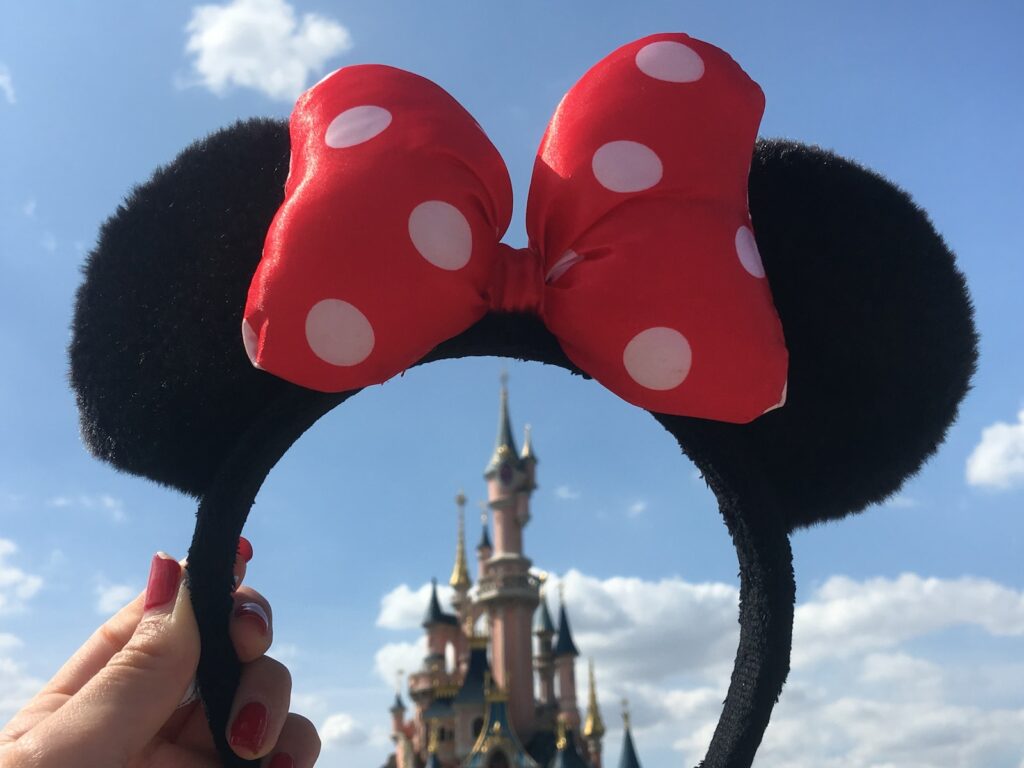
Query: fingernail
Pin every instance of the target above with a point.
(250, 727)
(282, 760)
(244, 549)
(255, 612)
(164, 575)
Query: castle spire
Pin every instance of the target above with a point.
(528, 451)
(564, 645)
(593, 728)
(628, 758)
(504, 444)
(460, 571)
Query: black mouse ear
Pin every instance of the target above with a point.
(879, 328)
(163, 383)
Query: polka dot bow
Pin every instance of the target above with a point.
(641, 260)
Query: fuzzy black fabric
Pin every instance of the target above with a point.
(164, 387)
(876, 316)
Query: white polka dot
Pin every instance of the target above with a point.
(746, 249)
(626, 166)
(356, 125)
(782, 400)
(658, 358)
(338, 333)
(251, 341)
(670, 61)
(560, 267)
(441, 234)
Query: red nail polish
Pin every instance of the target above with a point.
(164, 575)
(255, 612)
(282, 760)
(244, 549)
(250, 727)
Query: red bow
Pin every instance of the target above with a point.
(642, 259)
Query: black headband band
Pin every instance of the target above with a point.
(876, 316)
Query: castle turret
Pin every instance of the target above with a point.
(507, 590)
(565, 667)
(484, 549)
(593, 726)
(528, 459)
(397, 716)
(442, 629)
(544, 659)
(628, 758)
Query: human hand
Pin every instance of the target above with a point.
(118, 701)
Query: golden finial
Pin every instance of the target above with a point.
(460, 572)
(594, 726)
(527, 452)
(542, 579)
(561, 592)
(625, 713)
(399, 676)
(561, 739)
(503, 378)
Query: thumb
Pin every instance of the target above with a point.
(118, 712)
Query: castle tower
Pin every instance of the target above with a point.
(544, 659)
(397, 717)
(507, 590)
(593, 726)
(565, 667)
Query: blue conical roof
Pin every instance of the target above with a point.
(434, 614)
(565, 646)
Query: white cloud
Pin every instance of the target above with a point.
(395, 660)
(637, 508)
(16, 586)
(6, 84)
(48, 242)
(846, 617)
(261, 44)
(862, 692)
(29, 208)
(566, 493)
(997, 462)
(110, 598)
(342, 729)
(404, 608)
(111, 506)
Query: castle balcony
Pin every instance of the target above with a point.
(500, 586)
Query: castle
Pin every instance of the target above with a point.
(487, 695)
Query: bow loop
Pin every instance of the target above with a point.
(394, 206)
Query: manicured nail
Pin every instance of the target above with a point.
(282, 760)
(244, 549)
(250, 727)
(254, 612)
(164, 575)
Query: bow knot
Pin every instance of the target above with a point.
(642, 259)
(517, 281)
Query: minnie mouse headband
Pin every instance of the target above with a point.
(642, 261)
(877, 323)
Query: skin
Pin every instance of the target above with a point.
(115, 702)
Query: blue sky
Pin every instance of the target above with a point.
(910, 626)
